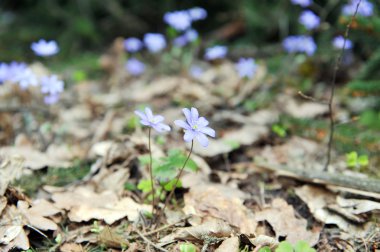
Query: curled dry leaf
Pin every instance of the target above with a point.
(264, 240)
(281, 217)
(221, 202)
(212, 228)
(35, 216)
(358, 206)
(229, 245)
(10, 169)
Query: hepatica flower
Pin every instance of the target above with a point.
(195, 127)
(51, 99)
(135, 67)
(301, 43)
(132, 45)
(365, 8)
(191, 35)
(216, 52)
(153, 121)
(51, 85)
(196, 71)
(26, 78)
(180, 41)
(246, 67)
(338, 43)
(155, 42)
(179, 20)
(303, 3)
(197, 13)
(45, 48)
(309, 19)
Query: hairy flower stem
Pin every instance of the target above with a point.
(175, 184)
(151, 172)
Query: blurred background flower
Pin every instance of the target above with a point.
(135, 67)
(45, 48)
(155, 42)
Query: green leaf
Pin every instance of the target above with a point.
(265, 249)
(303, 246)
(187, 247)
(168, 186)
(284, 246)
(234, 144)
(352, 159)
(363, 160)
(145, 185)
(279, 130)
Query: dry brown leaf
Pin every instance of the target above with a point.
(84, 204)
(212, 228)
(71, 247)
(10, 169)
(111, 238)
(281, 217)
(34, 159)
(229, 245)
(317, 199)
(221, 202)
(300, 110)
(358, 206)
(3, 203)
(35, 215)
(264, 240)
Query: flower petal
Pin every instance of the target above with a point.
(161, 127)
(187, 113)
(202, 122)
(145, 122)
(182, 124)
(208, 131)
(158, 118)
(189, 135)
(141, 115)
(202, 139)
(194, 114)
(149, 114)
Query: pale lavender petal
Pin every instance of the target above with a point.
(208, 131)
(158, 118)
(194, 114)
(189, 135)
(141, 115)
(182, 124)
(145, 122)
(187, 113)
(202, 139)
(202, 122)
(160, 127)
(149, 114)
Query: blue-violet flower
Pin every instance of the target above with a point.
(309, 19)
(216, 52)
(195, 127)
(153, 121)
(303, 3)
(197, 13)
(45, 48)
(135, 67)
(338, 43)
(179, 20)
(246, 67)
(300, 43)
(155, 42)
(365, 8)
(132, 45)
(51, 85)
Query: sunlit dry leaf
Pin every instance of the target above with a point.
(303, 109)
(10, 169)
(358, 206)
(35, 215)
(158, 87)
(221, 202)
(3, 203)
(281, 217)
(264, 240)
(71, 247)
(111, 238)
(229, 245)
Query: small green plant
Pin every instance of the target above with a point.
(279, 130)
(300, 246)
(187, 247)
(96, 228)
(353, 160)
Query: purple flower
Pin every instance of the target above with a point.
(195, 127)
(301, 43)
(303, 3)
(14, 70)
(51, 99)
(51, 85)
(180, 41)
(191, 35)
(155, 42)
(338, 43)
(153, 121)
(132, 45)
(309, 20)
(365, 8)
(135, 67)
(246, 67)
(26, 78)
(196, 71)
(216, 52)
(45, 48)
(3, 72)
(179, 20)
(197, 13)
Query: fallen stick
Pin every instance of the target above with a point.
(325, 178)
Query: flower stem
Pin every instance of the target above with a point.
(175, 184)
(151, 172)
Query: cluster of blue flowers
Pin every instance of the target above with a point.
(306, 43)
(195, 127)
(21, 74)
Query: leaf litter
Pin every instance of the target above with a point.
(214, 209)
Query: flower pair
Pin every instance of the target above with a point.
(194, 126)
